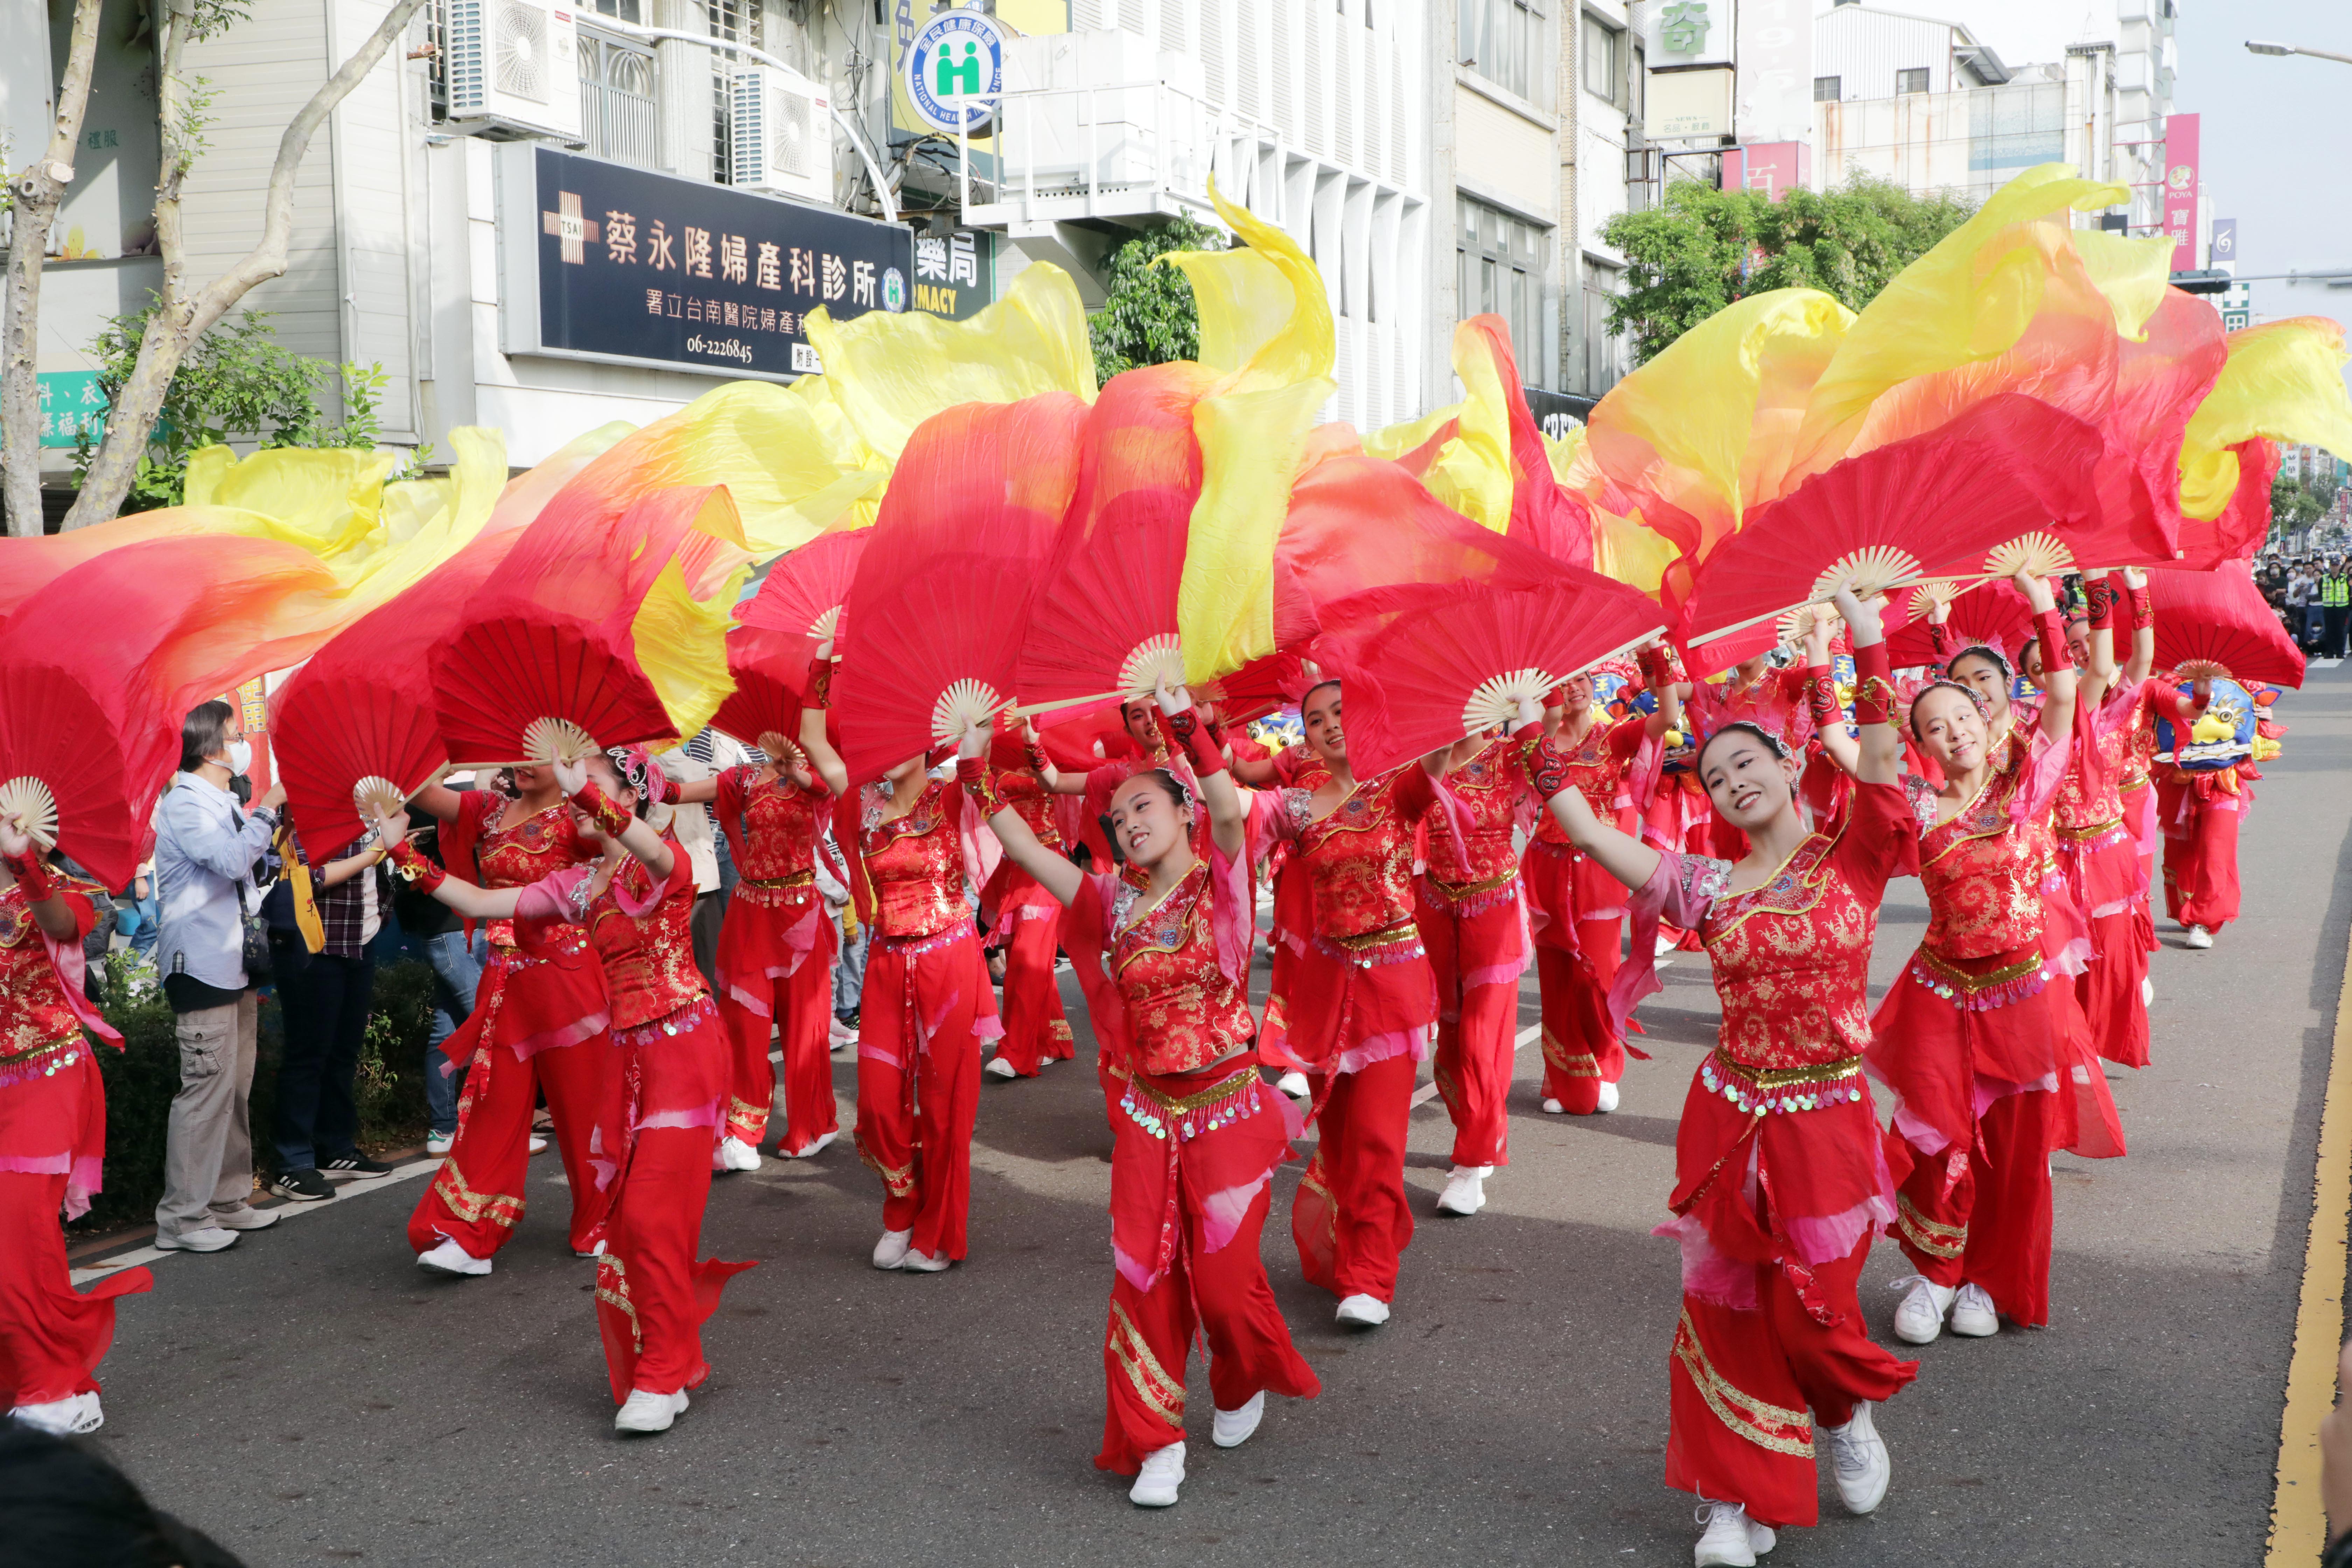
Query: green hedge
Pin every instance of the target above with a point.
(143, 1077)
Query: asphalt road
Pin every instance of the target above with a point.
(311, 1396)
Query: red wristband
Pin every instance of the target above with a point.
(1546, 769)
(2099, 596)
(820, 682)
(1038, 761)
(1874, 690)
(415, 868)
(1216, 728)
(602, 810)
(1821, 697)
(2143, 608)
(2049, 631)
(32, 874)
(1186, 728)
(1941, 642)
(979, 782)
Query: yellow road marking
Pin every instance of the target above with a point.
(2298, 1518)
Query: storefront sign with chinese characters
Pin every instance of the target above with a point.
(955, 272)
(608, 263)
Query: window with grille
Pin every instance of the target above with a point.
(1503, 40)
(1828, 88)
(1499, 262)
(1911, 80)
(618, 117)
(1600, 43)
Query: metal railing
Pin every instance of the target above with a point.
(1055, 144)
(618, 115)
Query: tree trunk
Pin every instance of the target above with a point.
(39, 191)
(182, 317)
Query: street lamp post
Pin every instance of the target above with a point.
(2256, 45)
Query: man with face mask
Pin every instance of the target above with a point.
(205, 851)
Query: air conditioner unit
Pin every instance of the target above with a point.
(781, 137)
(514, 66)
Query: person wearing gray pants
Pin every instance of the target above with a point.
(205, 851)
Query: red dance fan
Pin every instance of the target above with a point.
(942, 598)
(804, 593)
(1105, 626)
(356, 734)
(1956, 503)
(1993, 613)
(1459, 662)
(767, 698)
(543, 665)
(2218, 623)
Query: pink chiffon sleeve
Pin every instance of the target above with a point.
(1233, 912)
(1681, 891)
(2045, 773)
(558, 898)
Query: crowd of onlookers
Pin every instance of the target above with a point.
(2313, 595)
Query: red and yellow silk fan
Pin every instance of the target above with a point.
(596, 630)
(942, 596)
(2218, 623)
(1457, 661)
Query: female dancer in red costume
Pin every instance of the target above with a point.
(1577, 909)
(1025, 921)
(52, 1145)
(1972, 1037)
(1195, 1135)
(2200, 813)
(532, 1014)
(635, 901)
(1360, 1001)
(1292, 767)
(1781, 1183)
(776, 952)
(1772, 699)
(929, 1006)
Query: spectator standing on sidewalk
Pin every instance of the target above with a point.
(325, 996)
(2335, 607)
(205, 851)
(456, 959)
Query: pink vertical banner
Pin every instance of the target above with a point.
(2181, 189)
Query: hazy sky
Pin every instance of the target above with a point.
(2276, 132)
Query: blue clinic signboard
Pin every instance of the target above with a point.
(608, 262)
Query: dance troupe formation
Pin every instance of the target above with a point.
(1955, 588)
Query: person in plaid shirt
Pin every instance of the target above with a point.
(325, 997)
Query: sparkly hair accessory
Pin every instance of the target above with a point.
(1984, 710)
(1759, 726)
(2008, 668)
(640, 772)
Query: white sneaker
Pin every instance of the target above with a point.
(734, 1154)
(646, 1411)
(1554, 1108)
(1361, 1311)
(1666, 945)
(1919, 1320)
(1859, 1456)
(1466, 1191)
(595, 1251)
(1294, 1085)
(840, 1034)
(1163, 1471)
(824, 1142)
(245, 1217)
(1231, 1429)
(78, 1414)
(451, 1258)
(999, 1068)
(2199, 938)
(1608, 1101)
(2147, 990)
(890, 1252)
(438, 1142)
(1973, 1313)
(1732, 1539)
(538, 1145)
(203, 1238)
(925, 1262)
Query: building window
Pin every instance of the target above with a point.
(618, 119)
(1599, 70)
(1826, 88)
(1503, 40)
(1499, 262)
(1911, 80)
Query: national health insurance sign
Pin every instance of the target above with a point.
(606, 262)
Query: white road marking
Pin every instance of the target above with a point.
(345, 1192)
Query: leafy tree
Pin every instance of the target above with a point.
(2295, 506)
(1151, 317)
(1705, 248)
(238, 384)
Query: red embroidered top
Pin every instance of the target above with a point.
(1180, 966)
(1360, 855)
(643, 931)
(1983, 868)
(1490, 787)
(35, 1019)
(1031, 802)
(915, 862)
(1776, 700)
(519, 853)
(2090, 799)
(1792, 957)
(772, 828)
(1296, 767)
(1597, 764)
